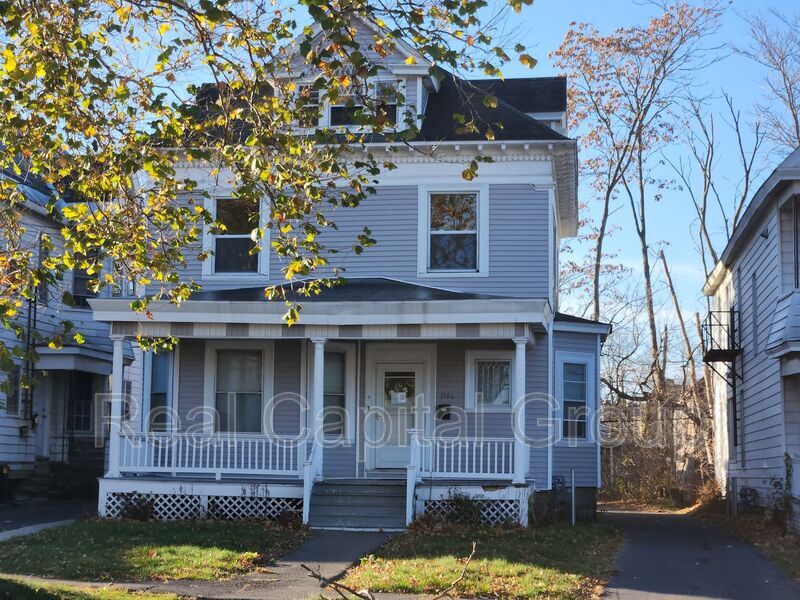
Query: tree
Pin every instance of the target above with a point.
(100, 98)
(775, 45)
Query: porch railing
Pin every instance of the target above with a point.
(211, 454)
(468, 457)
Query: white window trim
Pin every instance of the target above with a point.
(587, 359)
(172, 392)
(349, 350)
(470, 358)
(210, 377)
(423, 230)
(210, 204)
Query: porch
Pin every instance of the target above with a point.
(254, 404)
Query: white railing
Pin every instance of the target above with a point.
(412, 474)
(468, 457)
(215, 454)
(312, 471)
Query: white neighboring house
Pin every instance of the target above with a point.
(52, 434)
(415, 371)
(753, 343)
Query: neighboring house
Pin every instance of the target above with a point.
(753, 344)
(414, 369)
(51, 434)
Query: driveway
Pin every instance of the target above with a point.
(678, 557)
(16, 516)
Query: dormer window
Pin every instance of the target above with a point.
(345, 112)
(234, 248)
(309, 101)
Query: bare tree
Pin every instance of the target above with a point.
(775, 45)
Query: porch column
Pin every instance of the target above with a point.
(319, 388)
(116, 406)
(521, 450)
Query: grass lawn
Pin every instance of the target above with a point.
(135, 551)
(22, 590)
(550, 562)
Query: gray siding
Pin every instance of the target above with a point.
(518, 243)
(583, 457)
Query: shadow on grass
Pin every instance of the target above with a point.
(550, 562)
(96, 550)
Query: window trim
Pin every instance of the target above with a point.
(208, 265)
(470, 373)
(349, 350)
(267, 349)
(17, 413)
(589, 360)
(424, 229)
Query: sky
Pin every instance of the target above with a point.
(543, 27)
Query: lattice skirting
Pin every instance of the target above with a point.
(176, 507)
(493, 512)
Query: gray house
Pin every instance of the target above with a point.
(442, 365)
(753, 343)
(51, 433)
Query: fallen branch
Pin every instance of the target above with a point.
(337, 587)
(446, 593)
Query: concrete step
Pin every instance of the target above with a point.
(359, 522)
(358, 500)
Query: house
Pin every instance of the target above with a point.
(430, 371)
(52, 432)
(753, 344)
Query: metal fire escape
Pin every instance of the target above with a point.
(721, 345)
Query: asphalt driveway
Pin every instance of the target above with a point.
(678, 557)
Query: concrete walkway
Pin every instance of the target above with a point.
(678, 557)
(329, 552)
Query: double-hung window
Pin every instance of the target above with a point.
(82, 282)
(239, 390)
(308, 103)
(489, 376)
(453, 232)
(574, 390)
(234, 247)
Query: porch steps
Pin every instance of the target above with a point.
(358, 504)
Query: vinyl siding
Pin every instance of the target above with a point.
(759, 455)
(518, 244)
(583, 457)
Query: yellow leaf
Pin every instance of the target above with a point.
(164, 28)
(411, 60)
(10, 61)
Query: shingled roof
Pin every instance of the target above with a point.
(528, 94)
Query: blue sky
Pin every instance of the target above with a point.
(544, 25)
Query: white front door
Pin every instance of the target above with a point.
(396, 404)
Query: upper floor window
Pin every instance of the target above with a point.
(309, 101)
(234, 248)
(453, 232)
(345, 112)
(82, 283)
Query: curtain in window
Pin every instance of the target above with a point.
(493, 382)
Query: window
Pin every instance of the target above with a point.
(234, 248)
(574, 379)
(309, 103)
(239, 390)
(453, 232)
(488, 380)
(334, 393)
(158, 419)
(345, 112)
(386, 96)
(42, 290)
(82, 283)
(12, 390)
